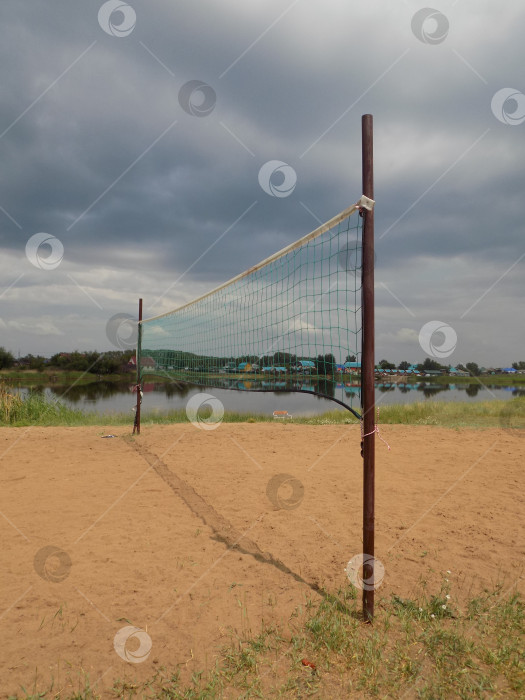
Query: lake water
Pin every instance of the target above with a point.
(106, 397)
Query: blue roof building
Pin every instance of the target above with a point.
(353, 365)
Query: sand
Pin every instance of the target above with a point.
(193, 536)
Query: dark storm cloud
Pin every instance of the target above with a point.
(109, 162)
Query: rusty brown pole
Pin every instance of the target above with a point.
(136, 427)
(367, 370)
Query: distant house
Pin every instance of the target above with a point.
(352, 367)
(147, 362)
(411, 369)
(455, 372)
(509, 370)
(305, 366)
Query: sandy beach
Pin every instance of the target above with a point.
(195, 536)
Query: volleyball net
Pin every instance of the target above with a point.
(290, 323)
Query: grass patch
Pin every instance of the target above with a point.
(327, 651)
(33, 377)
(482, 380)
(34, 409)
(452, 414)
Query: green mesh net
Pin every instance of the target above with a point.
(290, 323)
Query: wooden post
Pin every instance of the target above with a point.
(367, 371)
(136, 425)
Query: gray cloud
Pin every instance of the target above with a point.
(449, 176)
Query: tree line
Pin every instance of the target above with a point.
(432, 365)
(116, 361)
(111, 362)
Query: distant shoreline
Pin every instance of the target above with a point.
(30, 377)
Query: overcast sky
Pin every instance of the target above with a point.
(144, 182)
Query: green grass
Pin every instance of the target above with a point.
(483, 414)
(60, 377)
(483, 380)
(429, 647)
(452, 414)
(35, 409)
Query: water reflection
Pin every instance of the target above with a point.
(171, 390)
(103, 390)
(267, 394)
(307, 385)
(39, 389)
(88, 393)
(383, 388)
(431, 390)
